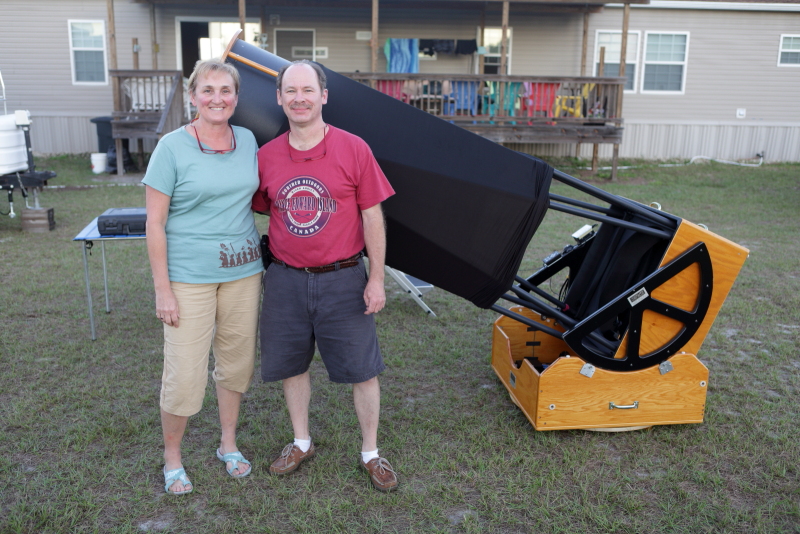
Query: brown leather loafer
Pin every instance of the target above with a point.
(381, 474)
(290, 459)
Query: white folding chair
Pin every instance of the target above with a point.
(414, 287)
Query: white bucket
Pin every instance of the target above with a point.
(98, 163)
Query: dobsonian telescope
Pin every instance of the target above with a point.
(616, 349)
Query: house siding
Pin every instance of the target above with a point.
(38, 75)
(731, 64)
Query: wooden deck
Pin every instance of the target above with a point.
(513, 109)
(147, 104)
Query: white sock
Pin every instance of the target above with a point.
(367, 456)
(303, 444)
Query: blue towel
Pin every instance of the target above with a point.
(403, 55)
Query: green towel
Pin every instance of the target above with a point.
(387, 51)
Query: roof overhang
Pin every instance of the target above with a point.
(471, 5)
(721, 5)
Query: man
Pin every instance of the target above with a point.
(323, 189)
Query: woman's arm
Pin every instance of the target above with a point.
(157, 211)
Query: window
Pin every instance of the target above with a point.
(492, 41)
(288, 41)
(789, 54)
(308, 52)
(87, 45)
(612, 41)
(665, 62)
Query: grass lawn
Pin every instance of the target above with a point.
(80, 439)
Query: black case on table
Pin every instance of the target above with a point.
(122, 221)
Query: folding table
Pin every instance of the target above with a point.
(88, 236)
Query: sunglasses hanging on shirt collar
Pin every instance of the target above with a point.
(209, 150)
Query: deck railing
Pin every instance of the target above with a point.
(150, 103)
(534, 100)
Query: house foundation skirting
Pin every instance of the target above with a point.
(67, 135)
(779, 142)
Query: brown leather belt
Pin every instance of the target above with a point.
(341, 264)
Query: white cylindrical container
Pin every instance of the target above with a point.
(13, 155)
(98, 162)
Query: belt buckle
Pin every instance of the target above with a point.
(306, 269)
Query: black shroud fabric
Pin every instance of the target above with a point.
(465, 207)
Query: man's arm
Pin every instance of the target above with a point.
(375, 239)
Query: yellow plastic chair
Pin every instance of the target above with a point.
(572, 105)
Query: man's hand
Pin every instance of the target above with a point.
(374, 296)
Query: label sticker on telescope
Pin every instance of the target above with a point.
(305, 205)
(637, 297)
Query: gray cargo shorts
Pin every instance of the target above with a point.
(300, 309)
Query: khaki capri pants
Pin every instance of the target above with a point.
(223, 315)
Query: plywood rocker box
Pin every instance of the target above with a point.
(640, 288)
(618, 350)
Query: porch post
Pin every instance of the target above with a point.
(585, 42)
(626, 13)
(601, 68)
(480, 40)
(112, 63)
(504, 42)
(153, 43)
(583, 63)
(373, 42)
(263, 19)
(112, 52)
(135, 46)
(503, 60)
(242, 17)
(139, 140)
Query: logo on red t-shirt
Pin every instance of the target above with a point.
(305, 205)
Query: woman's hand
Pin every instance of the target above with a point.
(157, 212)
(167, 307)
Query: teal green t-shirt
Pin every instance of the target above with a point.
(211, 233)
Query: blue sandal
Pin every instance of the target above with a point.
(234, 458)
(171, 477)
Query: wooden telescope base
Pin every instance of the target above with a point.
(571, 394)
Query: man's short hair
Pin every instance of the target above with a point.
(202, 68)
(323, 80)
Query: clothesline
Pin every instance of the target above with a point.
(402, 55)
(448, 46)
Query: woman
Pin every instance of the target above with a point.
(204, 254)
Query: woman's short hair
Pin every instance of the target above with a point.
(323, 80)
(203, 68)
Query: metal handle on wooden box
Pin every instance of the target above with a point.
(633, 406)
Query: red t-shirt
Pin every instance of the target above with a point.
(315, 205)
